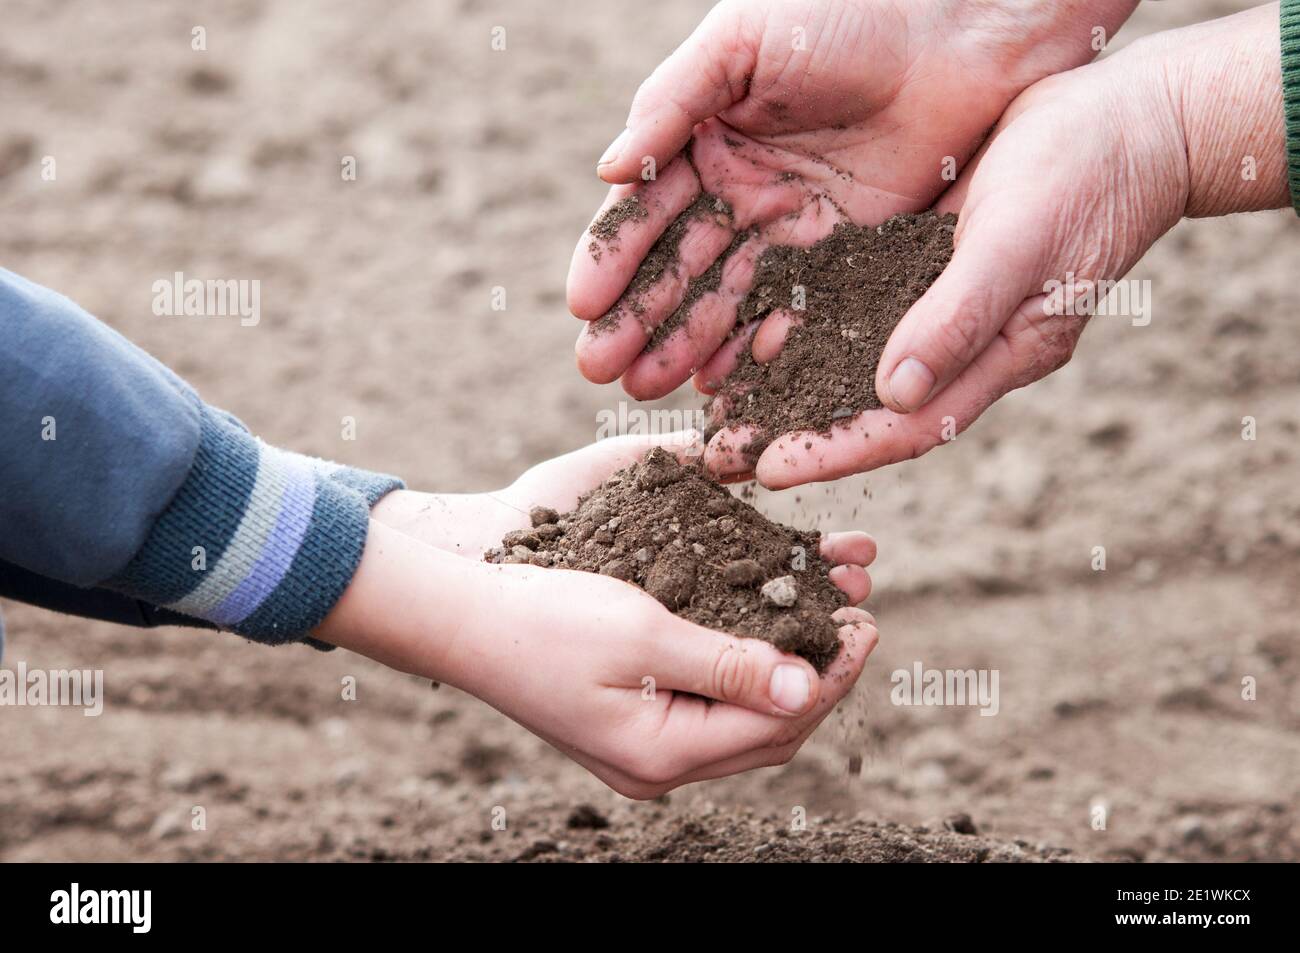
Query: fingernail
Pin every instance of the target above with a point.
(911, 384)
(789, 690)
(614, 149)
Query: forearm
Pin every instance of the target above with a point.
(462, 523)
(96, 437)
(258, 540)
(116, 475)
(1225, 86)
(22, 585)
(407, 605)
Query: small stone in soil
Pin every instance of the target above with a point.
(781, 591)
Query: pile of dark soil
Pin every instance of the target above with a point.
(857, 283)
(707, 556)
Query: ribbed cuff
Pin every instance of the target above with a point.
(258, 541)
(1290, 25)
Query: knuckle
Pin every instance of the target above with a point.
(920, 445)
(781, 755)
(786, 736)
(733, 677)
(1050, 342)
(960, 335)
(1056, 356)
(646, 635)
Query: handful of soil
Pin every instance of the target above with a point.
(856, 284)
(707, 556)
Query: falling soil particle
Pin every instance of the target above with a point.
(707, 556)
(961, 824)
(857, 283)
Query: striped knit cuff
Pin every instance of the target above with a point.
(258, 541)
(1290, 23)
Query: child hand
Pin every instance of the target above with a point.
(471, 523)
(610, 677)
(594, 666)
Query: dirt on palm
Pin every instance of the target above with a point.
(606, 228)
(847, 293)
(660, 260)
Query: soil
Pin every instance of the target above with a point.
(696, 288)
(605, 229)
(706, 555)
(1120, 688)
(659, 836)
(857, 284)
(659, 261)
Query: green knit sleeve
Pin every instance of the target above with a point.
(1291, 93)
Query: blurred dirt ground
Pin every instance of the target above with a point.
(475, 169)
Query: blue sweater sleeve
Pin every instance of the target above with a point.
(115, 474)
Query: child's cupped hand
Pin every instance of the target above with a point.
(611, 678)
(592, 665)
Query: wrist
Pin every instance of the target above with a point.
(256, 540)
(407, 606)
(1224, 82)
(466, 524)
(1032, 39)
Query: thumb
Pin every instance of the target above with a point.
(746, 672)
(996, 265)
(701, 78)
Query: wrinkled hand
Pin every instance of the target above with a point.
(1081, 176)
(798, 114)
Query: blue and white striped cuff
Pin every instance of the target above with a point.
(258, 540)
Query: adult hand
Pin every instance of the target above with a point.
(1083, 173)
(798, 114)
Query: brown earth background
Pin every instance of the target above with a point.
(475, 169)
